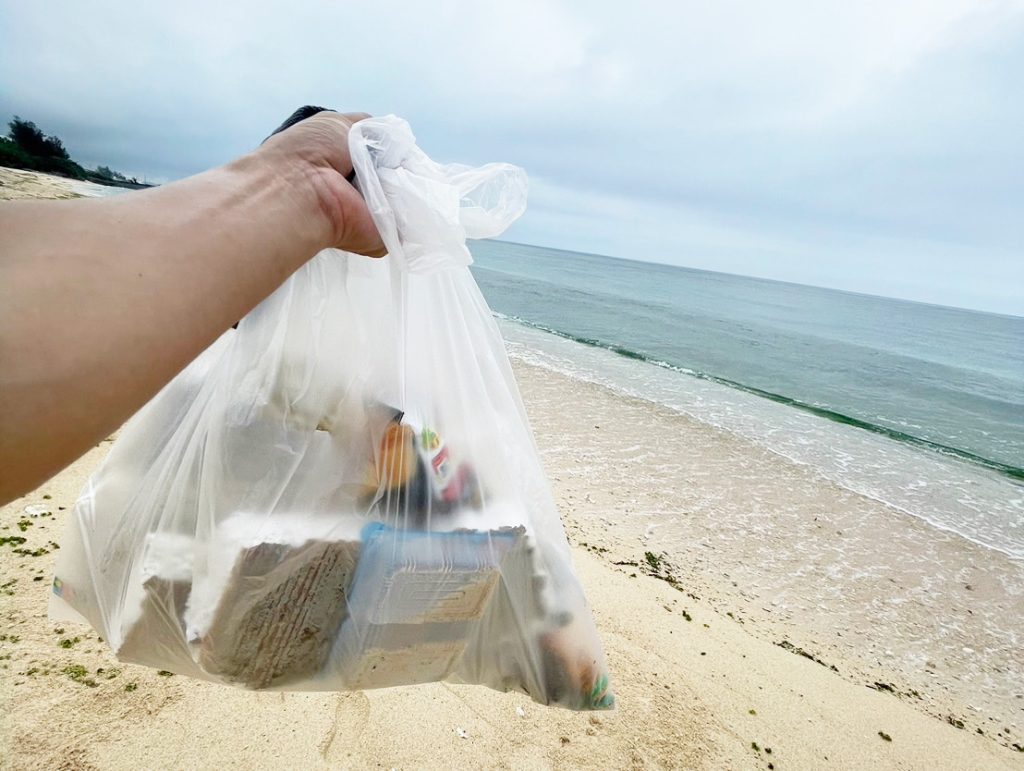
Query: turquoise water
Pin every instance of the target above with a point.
(926, 403)
(949, 378)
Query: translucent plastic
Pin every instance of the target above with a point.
(344, 492)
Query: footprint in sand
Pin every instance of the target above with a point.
(351, 714)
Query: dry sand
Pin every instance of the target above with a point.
(696, 688)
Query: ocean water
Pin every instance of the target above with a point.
(918, 406)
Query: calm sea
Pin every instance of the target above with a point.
(917, 405)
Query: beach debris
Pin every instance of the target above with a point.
(788, 646)
(885, 736)
(278, 635)
(37, 509)
(462, 733)
(520, 711)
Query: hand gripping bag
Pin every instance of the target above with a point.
(344, 492)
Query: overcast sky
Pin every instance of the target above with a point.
(875, 146)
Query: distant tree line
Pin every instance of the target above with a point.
(27, 147)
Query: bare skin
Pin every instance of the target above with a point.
(102, 302)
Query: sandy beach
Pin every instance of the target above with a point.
(754, 616)
(16, 184)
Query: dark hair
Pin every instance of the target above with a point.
(299, 115)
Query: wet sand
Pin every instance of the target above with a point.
(890, 601)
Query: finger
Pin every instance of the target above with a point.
(355, 117)
(358, 232)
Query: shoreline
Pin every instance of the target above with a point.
(891, 601)
(975, 503)
(1011, 472)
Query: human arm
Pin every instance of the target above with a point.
(103, 301)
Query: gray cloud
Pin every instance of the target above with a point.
(873, 146)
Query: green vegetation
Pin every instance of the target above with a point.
(108, 173)
(27, 147)
(653, 560)
(37, 552)
(80, 674)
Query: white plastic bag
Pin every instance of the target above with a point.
(344, 493)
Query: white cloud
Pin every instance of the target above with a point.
(732, 135)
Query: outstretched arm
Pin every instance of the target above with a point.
(103, 301)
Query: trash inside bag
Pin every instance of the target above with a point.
(343, 492)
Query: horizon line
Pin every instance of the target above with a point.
(765, 278)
